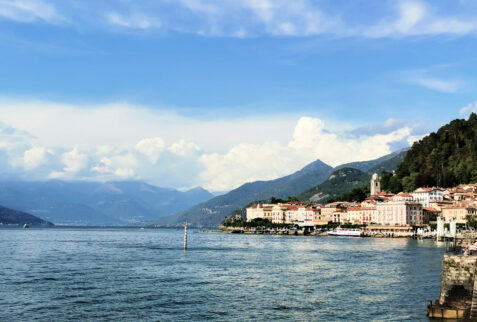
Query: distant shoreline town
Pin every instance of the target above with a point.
(381, 213)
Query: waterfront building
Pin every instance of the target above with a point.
(263, 211)
(305, 217)
(375, 185)
(355, 215)
(291, 215)
(279, 213)
(369, 212)
(399, 213)
(426, 195)
(319, 219)
(332, 211)
(459, 212)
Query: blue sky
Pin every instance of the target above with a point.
(218, 93)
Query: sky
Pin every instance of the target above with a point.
(217, 93)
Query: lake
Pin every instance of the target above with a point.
(133, 274)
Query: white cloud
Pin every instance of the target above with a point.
(34, 157)
(29, 11)
(422, 78)
(184, 148)
(250, 162)
(111, 126)
(416, 18)
(74, 161)
(103, 166)
(151, 147)
(134, 21)
(104, 143)
(125, 173)
(470, 108)
(250, 18)
(437, 84)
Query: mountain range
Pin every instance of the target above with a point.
(351, 175)
(95, 203)
(15, 217)
(212, 212)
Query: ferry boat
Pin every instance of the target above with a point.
(343, 232)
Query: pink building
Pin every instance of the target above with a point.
(399, 213)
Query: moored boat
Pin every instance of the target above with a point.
(344, 232)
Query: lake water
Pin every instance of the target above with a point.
(132, 274)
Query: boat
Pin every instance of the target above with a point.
(26, 226)
(344, 232)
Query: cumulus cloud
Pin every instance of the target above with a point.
(284, 145)
(151, 147)
(34, 157)
(470, 108)
(250, 162)
(74, 160)
(184, 148)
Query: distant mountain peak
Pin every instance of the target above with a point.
(315, 165)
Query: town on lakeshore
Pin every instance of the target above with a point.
(382, 214)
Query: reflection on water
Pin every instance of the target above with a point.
(55, 274)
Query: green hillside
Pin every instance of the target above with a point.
(445, 158)
(351, 182)
(339, 182)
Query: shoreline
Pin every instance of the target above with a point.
(237, 230)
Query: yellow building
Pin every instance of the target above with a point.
(263, 211)
(459, 212)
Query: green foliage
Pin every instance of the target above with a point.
(257, 223)
(445, 158)
(357, 194)
(471, 221)
(390, 183)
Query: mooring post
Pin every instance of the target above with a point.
(185, 236)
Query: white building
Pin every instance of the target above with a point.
(263, 211)
(279, 214)
(426, 195)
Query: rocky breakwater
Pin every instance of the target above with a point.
(458, 298)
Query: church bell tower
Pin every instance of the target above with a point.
(375, 185)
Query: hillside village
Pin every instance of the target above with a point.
(381, 211)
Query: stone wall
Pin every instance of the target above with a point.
(458, 277)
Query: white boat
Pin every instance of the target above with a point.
(344, 232)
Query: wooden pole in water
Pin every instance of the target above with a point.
(185, 236)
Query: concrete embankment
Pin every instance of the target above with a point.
(458, 297)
